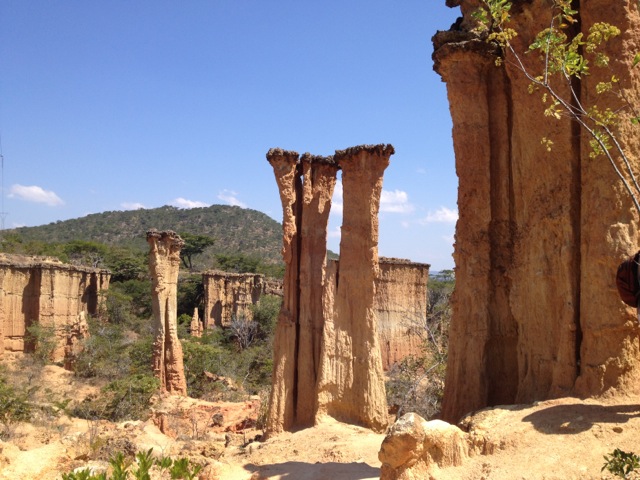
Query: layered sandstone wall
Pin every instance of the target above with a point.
(540, 234)
(230, 295)
(164, 265)
(42, 290)
(400, 305)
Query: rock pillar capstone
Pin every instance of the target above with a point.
(306, 186)
(164, 264)
(351, 381)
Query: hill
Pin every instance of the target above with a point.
(236, 230)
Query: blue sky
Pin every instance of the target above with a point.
(142, 103)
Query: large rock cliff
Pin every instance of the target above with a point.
(42, 290)
(540, 233)
(400, 305)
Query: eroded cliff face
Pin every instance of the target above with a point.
(400, 305)
(42, 290)
(230, 295)
(164, 264)
(540, 234)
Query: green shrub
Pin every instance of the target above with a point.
(621, 463)
(104, 352)
(127, 398)
(41, 341)
(14, 405)
(180, 468)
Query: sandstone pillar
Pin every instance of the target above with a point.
(281, 414)
(164, 264)
(540, 233)
(319, 179)
(306, 187)
(196, 326)
(351, 383)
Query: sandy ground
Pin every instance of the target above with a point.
(559, 439)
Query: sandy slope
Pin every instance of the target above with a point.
(557, 439)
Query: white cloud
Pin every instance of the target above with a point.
(336, 200)
(421, 171)
(231, 198)
(335, 233)
(36, 194)
(132, 205)
(184, 203)
(395, 201)
(442, 215)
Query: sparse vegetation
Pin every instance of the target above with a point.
(14, 406)
(115, 240)
(621, 463)
(416, 383)
(141, 469)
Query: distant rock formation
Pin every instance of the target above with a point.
(230, 295)
(314, 374)
(540, 234)
(195, 327)
(164, 264)
(400, 305)
(45, 291)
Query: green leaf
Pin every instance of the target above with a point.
(636, 60)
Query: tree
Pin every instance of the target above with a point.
(567, 56)
(193, 245)
(81, 252)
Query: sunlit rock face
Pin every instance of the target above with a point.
(326, 352)
(540, 233)
(44, 291)
(164, 264)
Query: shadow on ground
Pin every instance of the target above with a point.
(315, 471)
(576, 418)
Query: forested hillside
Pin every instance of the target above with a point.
(236, 231)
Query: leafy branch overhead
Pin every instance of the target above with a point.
(565, 57)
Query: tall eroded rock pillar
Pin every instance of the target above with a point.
(281, 414)
(319, 179)
(164, 264)
(306, 187)
(351, 383)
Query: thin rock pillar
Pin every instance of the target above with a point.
(164, 263)
(281, 413)
(351, 385)
(319, 179)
